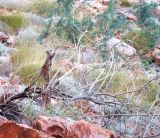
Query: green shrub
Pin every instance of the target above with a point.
(43, 7)
(29, 73)
(14, 21)
(140, 40)
(151, 93)
(125, 3)
(121, 82)
(149, 23)
(32, 111)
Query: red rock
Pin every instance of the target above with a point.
(7, 38)
(149, 55)
(154, 55)
(16, 80)
(9, 129)
(3, 36)
(65, 128)
(131, 17)
(86, 108)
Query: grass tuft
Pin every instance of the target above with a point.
(140, 41)
(14, 21)
(43, 7)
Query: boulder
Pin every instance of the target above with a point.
(5, 38)
(89, 56)
(121, 47)
(12, 86)
(69, 85)
(67, 128)
(129, 12)
(9, 129)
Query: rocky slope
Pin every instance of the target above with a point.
(102, 72)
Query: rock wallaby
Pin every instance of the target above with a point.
(46, 96)
(47, 65)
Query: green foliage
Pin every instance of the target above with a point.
(147, 63)
(145, 11)
(65, 7)
(107, 24)
(109, 21)
(68, 27)
(15, 21)
(149, 23)
(71, 29)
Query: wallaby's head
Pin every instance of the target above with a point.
(50, 53)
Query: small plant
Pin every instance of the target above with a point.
(14, 21)
(152, 92)
(63, 111)
(125, 3)
(29, 73)
(120, 82)
(149, 23)
(146, 63)
(140, 40)
(43, 7)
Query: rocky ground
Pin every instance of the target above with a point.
(54, 87)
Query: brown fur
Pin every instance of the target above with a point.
(47, 65)
(46, 97)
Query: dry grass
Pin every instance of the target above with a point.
(14, 21)
(121, 82)
(28, 60)
(139, 40)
